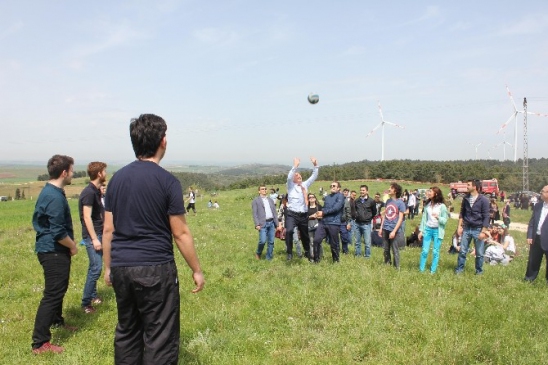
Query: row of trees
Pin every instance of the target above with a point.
(77, 174)
(509, 174)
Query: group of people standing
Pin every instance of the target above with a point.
(340, 214)
(341, 211)
(133, 235)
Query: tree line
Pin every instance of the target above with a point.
(508, 174)
(77, 174)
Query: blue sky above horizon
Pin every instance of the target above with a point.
(231, 78)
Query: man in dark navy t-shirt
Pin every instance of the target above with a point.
(144, 211)
(91, 216)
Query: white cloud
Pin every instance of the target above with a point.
(216, 36)
(115, 36)
(354, 51)
(533, 24)
(11, 29)
(431, 13)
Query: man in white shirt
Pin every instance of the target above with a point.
(297, 206)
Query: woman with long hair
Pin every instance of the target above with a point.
(502, 249)
(313, 207)
(432, 227)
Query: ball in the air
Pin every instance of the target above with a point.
(313, 98)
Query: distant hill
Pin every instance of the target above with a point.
(255, 170)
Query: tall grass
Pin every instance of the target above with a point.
(279, 312)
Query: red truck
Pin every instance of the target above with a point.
(488, 187)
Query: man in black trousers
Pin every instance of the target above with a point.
(537, 237)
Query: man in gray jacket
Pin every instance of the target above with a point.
(266, 222)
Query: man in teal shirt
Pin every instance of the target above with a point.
(54, 246)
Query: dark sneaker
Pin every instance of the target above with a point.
(289, 257)
(88, 309)
(96, 301)
(48, 347)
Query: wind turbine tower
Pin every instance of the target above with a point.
(525, 149)
(381, 125)
(514, 116)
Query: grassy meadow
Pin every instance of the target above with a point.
(259, 312)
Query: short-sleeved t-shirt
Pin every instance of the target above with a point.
(141, 197)
(91, 196)
(392, 213)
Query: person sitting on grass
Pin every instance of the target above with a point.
(455, 242)
(501, 250)
(413, 238)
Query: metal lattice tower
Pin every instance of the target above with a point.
(525, 149)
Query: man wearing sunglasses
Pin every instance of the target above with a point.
(331, 220)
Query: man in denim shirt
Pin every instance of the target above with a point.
(92, 213)
(54, 245)
(473, 224)
(329, 224)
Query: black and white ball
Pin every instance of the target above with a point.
(313, 98)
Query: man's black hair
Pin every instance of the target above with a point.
(146, 134)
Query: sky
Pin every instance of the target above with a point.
(231, 79)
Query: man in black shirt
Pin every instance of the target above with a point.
(144, 212)
(91, 216)
(365, 209)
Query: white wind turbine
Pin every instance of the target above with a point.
(514, 116)
(381, 124)
(504, 143)
(476, 147)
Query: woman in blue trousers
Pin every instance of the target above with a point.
(432, 227)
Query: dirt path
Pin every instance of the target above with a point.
(521, 227)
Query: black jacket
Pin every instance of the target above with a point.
(364, 211)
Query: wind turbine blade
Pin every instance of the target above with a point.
(395, 125)
(380, 110)
(538, 114)
(511, 98)
(373, 130)
(507, 122)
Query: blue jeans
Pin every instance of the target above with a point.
(94, 272)
(266, 232)
(363, 229)
(429, 235)
(353, 232)
(467, 234)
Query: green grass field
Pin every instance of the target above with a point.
(259, 312)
